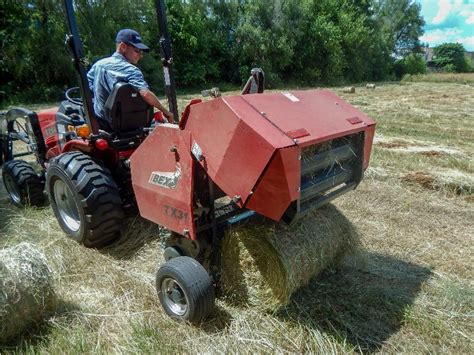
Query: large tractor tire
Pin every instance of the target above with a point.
(23, 185)
(185, 289)
(85, 199)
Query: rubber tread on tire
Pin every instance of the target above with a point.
(26, 181)
(96, 197)
(196, 284)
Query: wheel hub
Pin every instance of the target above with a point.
(68, 210)
(174, 296)
(12, 189)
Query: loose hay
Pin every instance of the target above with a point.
(26, 292)
(451, 180)
(264, 263)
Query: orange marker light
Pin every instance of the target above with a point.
(83, 131)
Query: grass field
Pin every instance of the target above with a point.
(414, 292)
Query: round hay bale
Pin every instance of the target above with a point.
(370, 86)
(26, 292)
(264, 263)
(349, 90)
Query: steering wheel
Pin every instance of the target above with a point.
(74, 99)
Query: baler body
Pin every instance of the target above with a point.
(278, 154)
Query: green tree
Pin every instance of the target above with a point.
(451, 57)
(411, 64)
(308, 42)
(401, 24)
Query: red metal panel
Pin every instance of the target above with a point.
(279, 185)
(322, 113)
(77, 144)
(236, 147)
(163, 180)
(185, 114)
(47, 121)
(369, 138)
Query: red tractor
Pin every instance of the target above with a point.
(274, 155)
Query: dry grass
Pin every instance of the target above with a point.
(415, 292)
(461, 78)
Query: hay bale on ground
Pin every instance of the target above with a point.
(349, 90)
(264, 263)
(370, 86)
(26, 292)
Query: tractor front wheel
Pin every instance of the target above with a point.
(85, 199)
(185, 289)
(23, 185)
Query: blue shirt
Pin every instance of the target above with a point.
(105, 73)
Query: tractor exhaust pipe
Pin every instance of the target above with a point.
(167, 58)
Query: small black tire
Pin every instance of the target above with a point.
(23, 185)
(85, 199)
(172, 252)
(185, 289)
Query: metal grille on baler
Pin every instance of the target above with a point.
(328, 170)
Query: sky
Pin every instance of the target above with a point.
(448, 21)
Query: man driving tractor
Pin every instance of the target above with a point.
(121, 67)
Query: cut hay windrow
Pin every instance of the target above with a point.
(264, 263)
(450, 180)
(26, 289)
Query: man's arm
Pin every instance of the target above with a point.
(151, 99)
(90, 78)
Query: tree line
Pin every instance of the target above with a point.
(296, 42)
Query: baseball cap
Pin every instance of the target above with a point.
(131, 37)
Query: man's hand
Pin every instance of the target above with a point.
(152, 100)
(169, 116)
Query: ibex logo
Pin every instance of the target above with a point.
(168, 180)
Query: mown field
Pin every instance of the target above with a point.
(413, 292)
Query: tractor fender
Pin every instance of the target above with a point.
(79, 145)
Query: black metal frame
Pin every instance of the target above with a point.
(10, 135)
(166, 58)
(73, 40)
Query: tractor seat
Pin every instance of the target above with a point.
(126, 112)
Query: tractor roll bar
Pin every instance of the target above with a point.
(166, 58)
(73, 40)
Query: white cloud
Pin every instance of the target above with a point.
(467, 10)
(439, 36)
(468, 42)
(443, 11)
(470, 20)
(454, 7)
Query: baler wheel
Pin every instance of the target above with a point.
(185, 289)
(85, 199)
(171, 253)
(22, 183)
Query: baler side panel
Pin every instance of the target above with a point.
(163, 180)
(279, 185)
(369, 138)
(236, 143)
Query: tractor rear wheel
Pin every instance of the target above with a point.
(85, 199)
(22, 183)
(185, 289)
